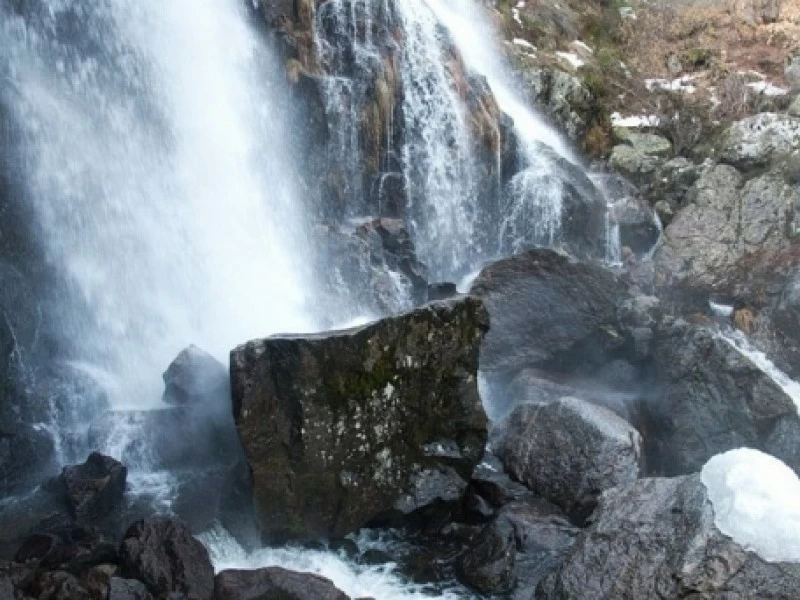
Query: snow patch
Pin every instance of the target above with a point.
(524, 44)
(768, 89)
(755, 500)
(681, 84)
(634, 121)
(572, 58)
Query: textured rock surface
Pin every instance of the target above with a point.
(276, 583)
(726, 220)
(162, 553)
(127, 589)
(755, 141)
(489, 565)
(543, 305)
(340, 428)
(569, 452)
(711, 398)
(656, 538)
(94, 488)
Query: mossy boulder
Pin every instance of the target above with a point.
(345, 427)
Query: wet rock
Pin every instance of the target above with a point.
(94, 488)
(489, 565)
(544, 308)
(491, 482)
(754, 141)
(27, 453)
(96, 580)
(569, 452)
(563, 96)
(710, 398)
(58, 544)
(275, 582)
(342, 427)
(543, 536)
(127, 589)
(162, 553)
(656, 538)
(441, 291)
(374, 265)
(58, 585)
(196, 376)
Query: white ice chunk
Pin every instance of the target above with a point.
(755, 499)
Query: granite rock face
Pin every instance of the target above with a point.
(344, 427)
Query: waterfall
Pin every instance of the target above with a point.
(162, 200)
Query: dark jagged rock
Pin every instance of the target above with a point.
(69, 547)
(196, 376)
(656, 538)
(489, 565)
(94, 488)
(711, 398)
(569, 451)
(341, 428)
(58, 585)
(441, 291)
(127, 589)
(162, 553)
(27, 453)
(97, 580)
(274, 582)
(544, 307)
(543, 536)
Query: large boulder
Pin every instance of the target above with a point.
(709, 398)
(728, 224)
(162, 553)
(656, 538)
(545, 307)
(274, 582)
(754, 141)
(95, 488)
(342, 427)
(195, 376)
(569, 452)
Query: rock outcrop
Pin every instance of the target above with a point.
(570, 451)
(711, 398)
(544, 306)
(656, 538)
(343, 427)
(274, 582)
(95, 488)
(162, 553)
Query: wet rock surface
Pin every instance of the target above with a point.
(711, 399)
(164, 555)
(544, 306)
(656, 538)
(274, 583)
(341, 428)
(569, 451)
(95, 488)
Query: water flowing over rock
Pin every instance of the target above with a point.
(711, 398)
(544, 306)
(340, 428)
(569, 452)
(162, 553)
(656, 538)
(274, 583)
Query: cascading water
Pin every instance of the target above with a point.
(159, 201)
